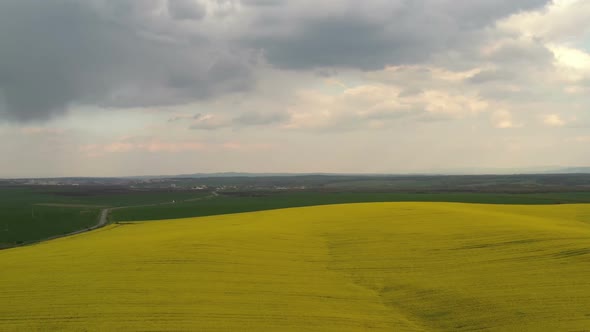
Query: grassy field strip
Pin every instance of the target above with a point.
(102, 213)
(357, 267)
(29, 215)
(216, 204)
(71, 205)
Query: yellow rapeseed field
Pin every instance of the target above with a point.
(356, 267)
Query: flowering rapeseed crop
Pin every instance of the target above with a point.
(357, 267)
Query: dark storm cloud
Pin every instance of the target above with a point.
(261, 2)
(186, 10)
(139, 53)
(109, 53)
(340, 42)
(371, 35)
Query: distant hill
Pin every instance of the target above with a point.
(508, 171)
(233, 174)
(458, 171)
(429, 172)
(573, 170)
(245, 174)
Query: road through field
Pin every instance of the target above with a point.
(102, 221)
(103, 217)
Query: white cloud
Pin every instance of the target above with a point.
(580, 139)
(562, 20)
(373, 104)
(572, 65)
(502, 119)
(42, 131)
(156, 145)
(210, 122)
(554, 120)
(451, 105)
(571, 57)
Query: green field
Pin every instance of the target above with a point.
(249, 202)
(32, 214)
(356, 267)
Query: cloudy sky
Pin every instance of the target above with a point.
(136, 87)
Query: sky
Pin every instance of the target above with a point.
(146, 87)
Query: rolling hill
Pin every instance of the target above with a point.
(354, 267)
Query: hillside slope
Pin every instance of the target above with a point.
(357, 267)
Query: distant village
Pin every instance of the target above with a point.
(149, 183)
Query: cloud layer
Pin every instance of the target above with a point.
(471, 83)
(130, 53)
(56, 54)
